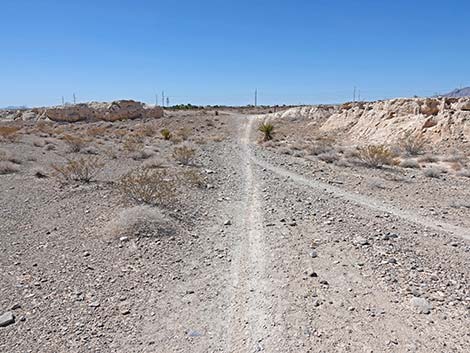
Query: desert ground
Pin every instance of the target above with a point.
(197, 232)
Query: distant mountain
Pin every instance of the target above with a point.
(458, 93)
(14, 107)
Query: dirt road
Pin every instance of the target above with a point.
(269, 259)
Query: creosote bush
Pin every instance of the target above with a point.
(267, 129)
(376, 156)
(133, 143)
(150, 186)
(193, 178)
(184, 154)
(412, 145)
(166, 134)
(7, 167)
(82, 169)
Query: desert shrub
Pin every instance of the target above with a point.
(142, 221)
(166, 134)
(133, 143)
(7, 167)
(75, 143)
(321, 146)
(454, 157)
(217, 138)
(148, 130)
(9, 133)
(193, 178)
(184, 154)
(412, 145)
(376, 156)
(328, 157)
(150, 186)
(267, 130)
(432, 172)
(184, 133)
(82, 169)
(6, 156)
(216, 113)
(409, 163)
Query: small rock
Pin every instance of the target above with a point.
(7, 319)
(420, 305)
(123, 239)
(313, 254)
(311, 273)
(94, 304)
(227, 222)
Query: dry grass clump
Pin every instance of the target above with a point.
(433, 172)
(149, 186)
(321, 146)
(7, 167)
(376, 156)
(148, 130)
(140, 221)
(75, 143)
(285, 150)
(412, 145)
(166, 134)
(82, 169)
(217, 138)
(184, 154)
(133, 143)
(9, 133)
(409, 163)
(267, 130)
(184, 133)
(194, 178)
(9, 157)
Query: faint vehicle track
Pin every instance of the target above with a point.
(365, 201)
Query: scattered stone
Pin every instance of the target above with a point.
(311, 273)
(420, 305)
(7, 319)
(362, 241)
(228, 223)
(123, 239)
(313, 254)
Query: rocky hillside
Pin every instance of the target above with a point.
(93, 111)
(458, 93)
(436, 119)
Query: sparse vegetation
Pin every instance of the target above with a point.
(267, 129)
(133, 143)
(82, 169)
(376, 156)
(166, 134)
(75, 143)
(184, 154)
(412, 145)
(139, 221)
(9, 133)
(193, 178)
(149, 186)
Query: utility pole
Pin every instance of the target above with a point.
(74, 99)
(163, 98)
(167, 101)
(156, 100)
(354, 94)
(63, 102)
(359, 96)
(256, 97)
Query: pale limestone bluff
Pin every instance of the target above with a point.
(437, 119)
(93, 111)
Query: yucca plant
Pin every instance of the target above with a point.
(267, 130)
(166, 134)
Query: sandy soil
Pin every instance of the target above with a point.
(273, 253)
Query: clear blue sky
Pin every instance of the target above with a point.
(218, 52)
